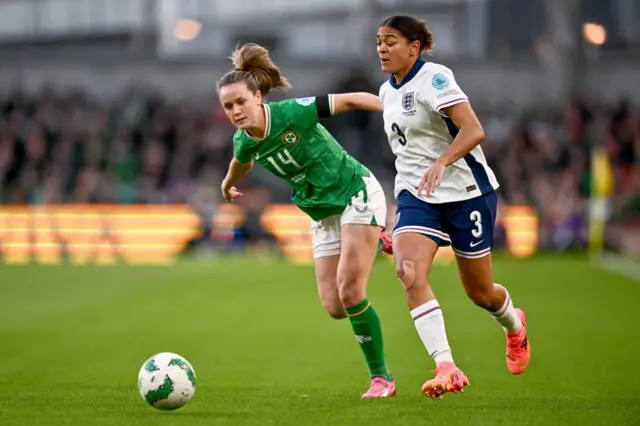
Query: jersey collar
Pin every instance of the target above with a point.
(267, 121)
(412, 73)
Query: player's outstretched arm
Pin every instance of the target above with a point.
(237, 171)
(345, 102)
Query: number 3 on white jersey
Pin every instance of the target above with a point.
(402, 138)
(476, 218)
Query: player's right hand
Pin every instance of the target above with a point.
(230, 193)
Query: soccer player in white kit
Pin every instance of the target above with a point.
(446, 196)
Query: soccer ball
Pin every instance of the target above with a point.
(166, 381)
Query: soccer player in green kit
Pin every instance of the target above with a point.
(342, 197)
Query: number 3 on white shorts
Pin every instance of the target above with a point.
(476, 218)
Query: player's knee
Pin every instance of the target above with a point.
(335, 309)
(350, 290)
(406, 271)
(351, 295)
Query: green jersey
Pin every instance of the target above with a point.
(298, 149)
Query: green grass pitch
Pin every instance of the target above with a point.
(73, 338)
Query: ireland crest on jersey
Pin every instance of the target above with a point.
(290, 137)
(407, 100)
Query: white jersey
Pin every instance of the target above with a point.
(419, 132)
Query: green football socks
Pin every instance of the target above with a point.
(366, 326)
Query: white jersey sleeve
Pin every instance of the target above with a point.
(443, 90)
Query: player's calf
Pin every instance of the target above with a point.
(478, 283)
(326, 278)
(487, 298)
(477, 279)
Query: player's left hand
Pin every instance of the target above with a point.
(230, 193)
(432, 178)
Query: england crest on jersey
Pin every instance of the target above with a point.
(407, 100)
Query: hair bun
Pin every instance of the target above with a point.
(254, 60)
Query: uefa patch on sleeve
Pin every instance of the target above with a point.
(305, 101)
(450, 92)
(439, 81)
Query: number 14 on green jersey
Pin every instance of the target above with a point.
(284, 158)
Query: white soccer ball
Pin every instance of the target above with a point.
(167, 381)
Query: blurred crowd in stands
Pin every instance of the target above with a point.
(63, 146)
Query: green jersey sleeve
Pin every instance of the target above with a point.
(241, 151)
(306, 112)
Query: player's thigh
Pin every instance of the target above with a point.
(471, 225)
(359, 244)
(361, 223)
(326, 254)
(418, 232)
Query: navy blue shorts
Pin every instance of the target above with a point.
(465, 225)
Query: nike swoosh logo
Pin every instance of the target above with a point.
(475, 243)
